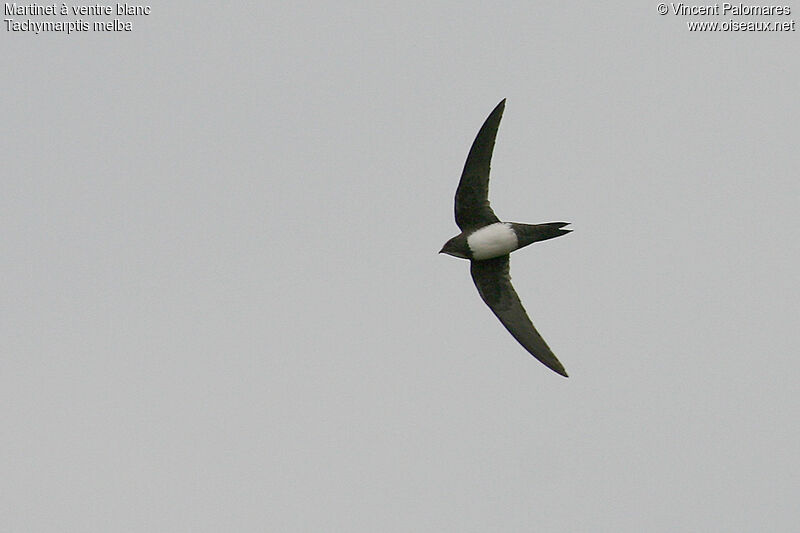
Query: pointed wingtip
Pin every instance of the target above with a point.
(497, 112)
(556, 367)
(553, 364)
(499, 108)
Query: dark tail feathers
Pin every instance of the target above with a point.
(528, 233)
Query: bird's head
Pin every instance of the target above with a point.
(457, 247)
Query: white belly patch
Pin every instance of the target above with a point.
(492, 241)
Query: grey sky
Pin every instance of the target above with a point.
(223, 308)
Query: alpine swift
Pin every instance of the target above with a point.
(487, 243)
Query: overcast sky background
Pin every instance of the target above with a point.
(223, 310)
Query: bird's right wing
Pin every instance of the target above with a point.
(472, 196)
(492, 278)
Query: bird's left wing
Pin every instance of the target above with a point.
(472, 196)
(492, 278)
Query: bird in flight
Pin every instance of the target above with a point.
(487, 243)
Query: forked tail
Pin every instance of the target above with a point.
(528, 233)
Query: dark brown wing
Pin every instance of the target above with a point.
(493, 280)
(472, 196)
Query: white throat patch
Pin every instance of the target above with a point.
(493, 240)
